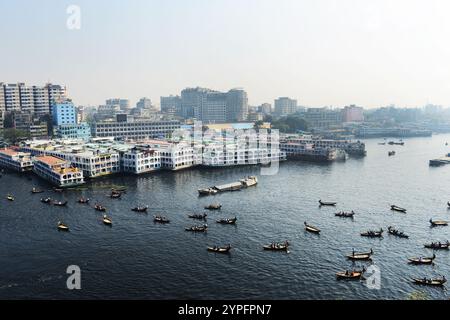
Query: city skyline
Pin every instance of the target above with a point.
(321, 53)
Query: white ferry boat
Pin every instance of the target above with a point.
(15, 160)
(57, 171)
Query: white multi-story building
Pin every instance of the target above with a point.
(15, 160)
(141, 159)
(134, 130)
(93, 159)
(57, 171)
(33, 99)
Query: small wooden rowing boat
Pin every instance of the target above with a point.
(46, 200)
(361, 255)
(391, 153)
(60, 203)
(398, 209)
(115, 195)
(311, 228)
(438, 245)
(10, 197)
(283, 246)
(214, 206)
(198, 216)
(350, 275)
(107, 220)
(35, 190)
(227, 221)
(62, 226)
(160, 219)
(372, 233)
(438, 223)
(217, 249)
(344, 214)
(430, 282)
(83, 200)
(325, 203)
(100, 208)
(421, 260)
(202, 228)
(58, 189)
(397, 233)
(140, 209)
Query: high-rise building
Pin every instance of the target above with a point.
(285, 106)
(64, 112)
(34, 99)
(144, 103)
(237, 105)
(352, 114)
(322, 118)
(123, 104)
(214, 106)
(265, 108)
(171, 104)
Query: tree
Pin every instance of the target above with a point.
(13, 135)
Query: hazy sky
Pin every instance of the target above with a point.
(321, 52)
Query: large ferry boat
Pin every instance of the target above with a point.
(15, 160)
(57, 171)
(356, 148)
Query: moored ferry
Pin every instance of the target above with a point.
(15, 160)
(57, 171)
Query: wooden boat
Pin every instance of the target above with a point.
(430, 282)
(350, 275)
(283, 246)
(46, 200)
(58, 189)
(202, 228)
(62, 226)
(227, 221)
(161, 219)
(448, 204)
(397, 233)
(120, 190)
(207, 191)
(213, 206)
(324, 203)
(373, 234)
(310, 228)
(382, 143)
(391, 153)
(84, 200)
(344, 214)
(10, 197)
(438, 245)
(401, 143)
(34, 190)
(216, 249)
(107, 220)
(140, 209)
(397, 208)
(115, 195)
(421, 260)
(361, 255)
(198, 216)
(438, 223)
(100, 208)
(60, 203)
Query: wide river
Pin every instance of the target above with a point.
(136, 258)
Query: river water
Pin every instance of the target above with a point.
(136, 258)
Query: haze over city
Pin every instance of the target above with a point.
(369, 53)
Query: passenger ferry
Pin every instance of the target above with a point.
(57, 171)
(351, 147)
(15, 160)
